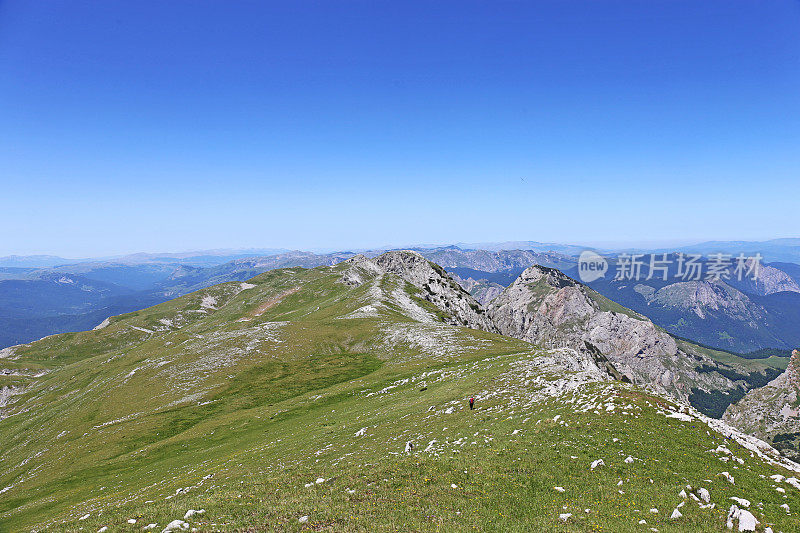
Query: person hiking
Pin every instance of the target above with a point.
(472, 402)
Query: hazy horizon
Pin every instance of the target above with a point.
(604, 245)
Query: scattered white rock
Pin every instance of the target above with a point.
(728, 476)
(150, 526)
(131, 520)
(320, 480)
(84, 517)
(360, 432)
(785, 507)
(176, 525)
(629, 459)
(654, 510)
(596, 463)
(747, 522)
(676, 514)
(781, 490)
(191, 512)
(704, 495)
(741, 501)
(453, 486)
(559, 489)
(565, 516)
(102, 529)
(303, 519)
(682, 493)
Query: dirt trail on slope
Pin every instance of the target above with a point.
(272, 302)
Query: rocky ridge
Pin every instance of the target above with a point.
(436, 287)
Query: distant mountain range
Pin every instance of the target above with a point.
(737, 316)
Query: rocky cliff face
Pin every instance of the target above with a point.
(437, 287)
(772, 412)
(545, 307)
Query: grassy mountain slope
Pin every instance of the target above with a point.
(238, 399)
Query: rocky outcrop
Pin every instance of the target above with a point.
(545, 307)
(772, 412)
(437, 287)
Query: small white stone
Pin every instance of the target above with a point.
(559, 489)
(676, 514)
(175, 525)
(303, 519)
(565, 516)
(741, 501)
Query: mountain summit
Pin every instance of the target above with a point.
(545, 307)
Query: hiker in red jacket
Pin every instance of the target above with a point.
(472, 402)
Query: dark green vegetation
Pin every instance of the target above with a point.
(237, 399)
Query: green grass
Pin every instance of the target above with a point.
(265, 404)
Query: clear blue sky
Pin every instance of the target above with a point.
(164, 126)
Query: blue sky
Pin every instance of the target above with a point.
(167, 126)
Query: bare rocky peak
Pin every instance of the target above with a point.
(546, 307)
(436, 286)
